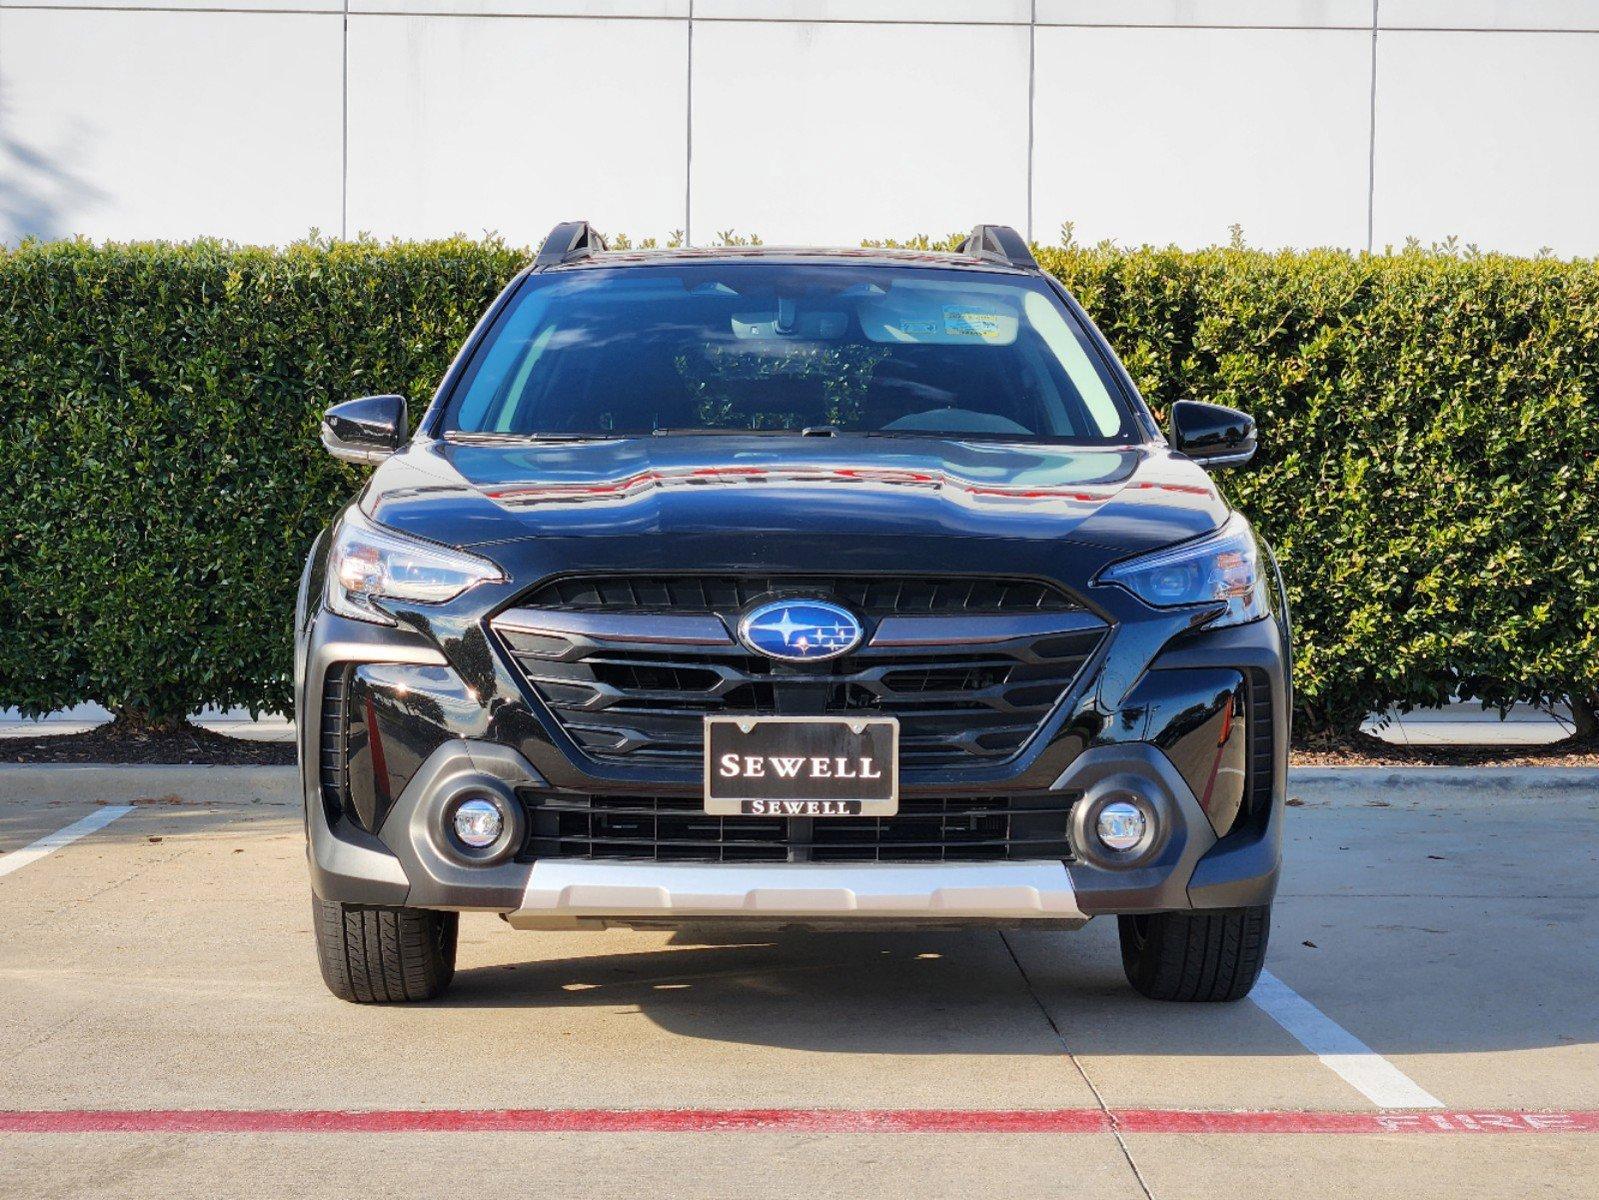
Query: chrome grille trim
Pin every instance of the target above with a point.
(666, 628)
(973, 631)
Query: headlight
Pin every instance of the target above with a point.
(1226, 567)
(370, 563)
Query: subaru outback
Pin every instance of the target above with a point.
(754, 587)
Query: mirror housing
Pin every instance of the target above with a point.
(367, 430)
(1211, 434)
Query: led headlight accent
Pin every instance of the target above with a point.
(369, 563)
(1227, 567)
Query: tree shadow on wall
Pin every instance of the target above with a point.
(41, 194)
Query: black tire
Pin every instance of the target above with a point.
(1200, 956)
(384, 955)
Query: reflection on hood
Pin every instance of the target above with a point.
(472, 493)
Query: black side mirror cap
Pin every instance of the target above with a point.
(367, 430)
(1211, 434)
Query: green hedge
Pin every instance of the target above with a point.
(1428, 475)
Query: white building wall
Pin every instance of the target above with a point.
(1306, 122)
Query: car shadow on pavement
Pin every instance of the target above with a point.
(870, 993)
(981, 992)
(931, 992)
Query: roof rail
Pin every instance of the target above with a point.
(568, 242)
(1000, 243)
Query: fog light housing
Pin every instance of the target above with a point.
(1121, 826)
(478, 823)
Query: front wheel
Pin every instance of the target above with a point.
(384, 955)
(1197, 956)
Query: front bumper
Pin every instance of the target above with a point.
(1142, 723)
(410, 861)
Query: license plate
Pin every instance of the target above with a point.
(802, 766)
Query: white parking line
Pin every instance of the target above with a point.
(1368, 1072)
(34, 851)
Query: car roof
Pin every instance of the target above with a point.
(868, 255)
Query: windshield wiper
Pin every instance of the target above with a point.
(493, 437)
(725, 431)
(718, 431)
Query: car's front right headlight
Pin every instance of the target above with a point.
(1223, 568)
(368, 563)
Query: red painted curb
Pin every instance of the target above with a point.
(785, 1120)
(1387, 1121)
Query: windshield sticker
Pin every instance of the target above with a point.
(914, 328)
(960, 321)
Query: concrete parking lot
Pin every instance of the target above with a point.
(1429, 1026)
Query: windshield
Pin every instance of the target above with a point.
(760, 347)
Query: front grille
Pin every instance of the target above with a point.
(868, 596)
(967, 685)
(334, 766)
(677, 829)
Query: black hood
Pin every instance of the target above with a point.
(845, 487)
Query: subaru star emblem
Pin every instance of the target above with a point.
(800, 630)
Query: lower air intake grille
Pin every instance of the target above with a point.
(334, 764)
(1262, 749)
(677, 829)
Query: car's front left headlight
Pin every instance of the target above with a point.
(1224, 568)
(368, 563)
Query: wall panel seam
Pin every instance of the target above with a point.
(1032, 107)
(344, 127)
(1371, 135)
(688, 140)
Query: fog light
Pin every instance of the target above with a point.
(478, 824)
(1121, 825)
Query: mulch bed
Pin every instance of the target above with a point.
(113, 743)
(1363, 751)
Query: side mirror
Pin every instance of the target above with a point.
(367, 430)
(1211, 435)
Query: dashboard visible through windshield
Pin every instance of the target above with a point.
(787, 348)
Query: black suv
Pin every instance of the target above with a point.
(761, 587)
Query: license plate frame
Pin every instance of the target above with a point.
(860, 743)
